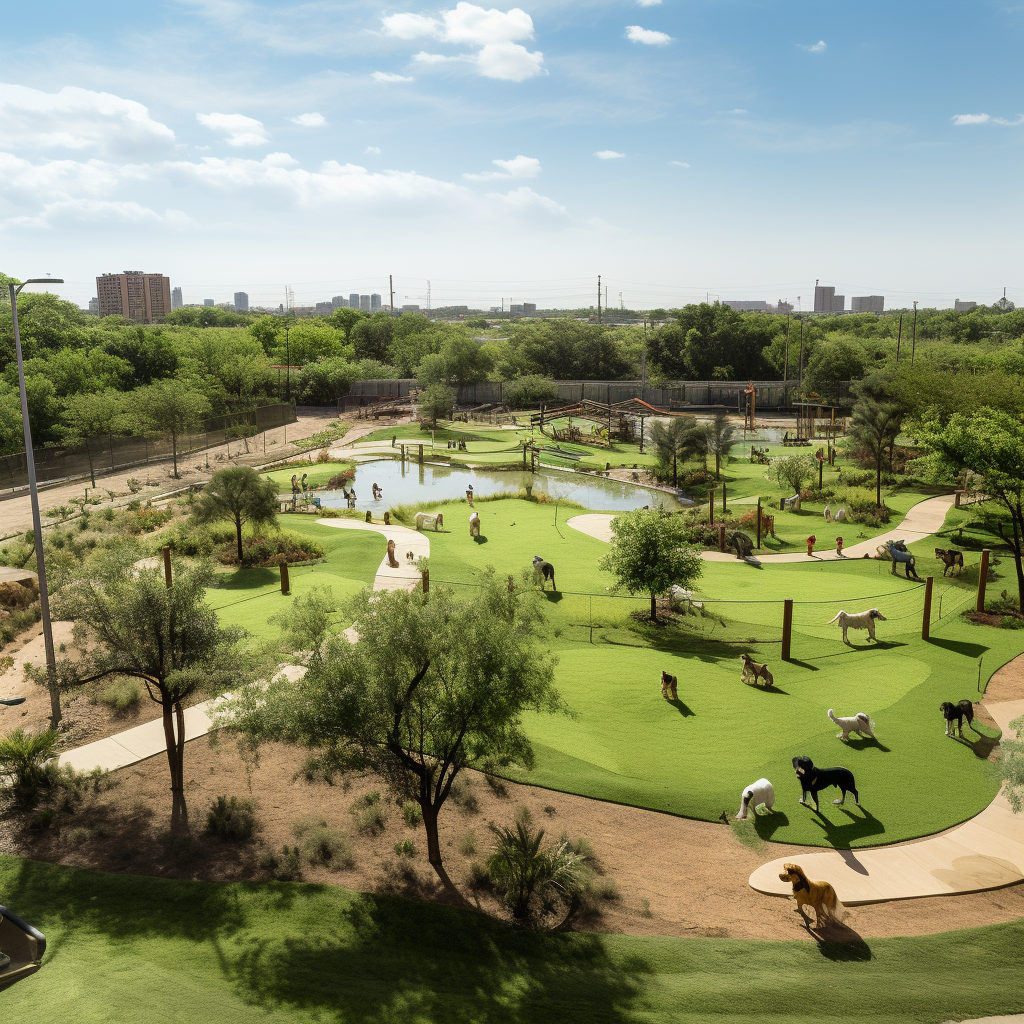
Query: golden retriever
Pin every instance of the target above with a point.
(819, 895)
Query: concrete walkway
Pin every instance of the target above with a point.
(924, 519)
(986, 852)
(406, 576)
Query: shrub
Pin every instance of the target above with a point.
(412, 814)
(463, 796)
(322, 845)
(285, 866)
(233, 819)
(468, 845)
(134, 485)
(121, 696)
(406, 848)
(368, 813)
(28, 763)
(479, 877)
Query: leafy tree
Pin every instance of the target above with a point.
(1011, 765)
(432, 686)
(371, 337)
(129, 623)
(460, 361)
(650, 552)
(875, 426)
(345, 318)
(530, 391)
(791, 472)
(307, 341)
(149, 351)
(721, 436)
(90, 416)
(171, 408)
(836, 358)
(437, 402)
(990, 443)
(240, 494)
(673, 443)
(264, 329)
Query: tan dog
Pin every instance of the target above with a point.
(668, 686)
(754, 671)
(819, 895)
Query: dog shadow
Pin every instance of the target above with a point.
(840, 835)
(684, 709)
(480, 539)
(768, 689)
(863, 742)
(840, 943)
(980, 747)
(554, 596)
(766, 825)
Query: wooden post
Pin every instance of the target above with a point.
(721, 536)
(426, 581)
(982, 579)
(711, 507)
(927, 620)
(787, 627)
(403, 452)
(724, 509)
(285, 589)
(421, 455)
(759, 522)
(167, 565)
(957, 495)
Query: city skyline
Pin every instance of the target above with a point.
(679, 151)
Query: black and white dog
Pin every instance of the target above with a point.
(812, 780)
(954, 714)
(545, 570)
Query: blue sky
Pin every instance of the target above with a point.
(680, 149)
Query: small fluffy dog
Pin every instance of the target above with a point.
(410, 557)
(861, 620)
(858, 723)
(819, 895)
(668, 686)
(761, 792)
(954, 714)
(752, 671)
(545, 570)
(813, 780)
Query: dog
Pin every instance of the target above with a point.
(474, 524)
(410, 557)
(668, 686)
(545, 570)
(858, 723)
(760, 792)
(813, 780)
(819, 895)
(752, 671)
(860, 620)
(951, 559)
(954, 714)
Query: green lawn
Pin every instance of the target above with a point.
(123, 948)
(317, 474)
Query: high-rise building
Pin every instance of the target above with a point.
(324, 308)
(339, 302)
(374, 301)
(353, 300)
(529, 309)
(963, 307)
(134, 295)
(826, 300)
(867, 304)
(747, 305)
(515, 309)
(364, 302)
(241, 302)
(94, 305)
(410, 309)
(208, 302)
(176, 300)
(784, 307)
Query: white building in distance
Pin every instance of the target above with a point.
(241, 302)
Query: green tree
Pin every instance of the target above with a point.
(836, 358)
(308, 341)
(990, 442)
(432, 686)
(171, 408)
(791, 472)
(264, 329)
(129, 623)
(528, 392)
(345, 318)
(673, 443)
(1011, 765)
(240, 494)
(650, 552)
(437, 402)
(874, 427)
(371, 337)
(460, 361)
(90, 416)
(721, 436)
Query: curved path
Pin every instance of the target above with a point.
(986, 852)
(406, 576)
(920, 522)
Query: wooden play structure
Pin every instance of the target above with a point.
(817, 419)
(749, 408)
(610, 423)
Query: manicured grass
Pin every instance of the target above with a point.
(127, 948)
(317, 474)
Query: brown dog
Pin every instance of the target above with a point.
(668, 686)
(819, 895)
(752, 669)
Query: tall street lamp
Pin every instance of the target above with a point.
(37, 528)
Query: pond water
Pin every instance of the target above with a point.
(409, 483)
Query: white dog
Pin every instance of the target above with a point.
(761, 792)
(474, 525)
(858, 723)
(427, 519)
(862, 620)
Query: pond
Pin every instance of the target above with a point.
(409, 483)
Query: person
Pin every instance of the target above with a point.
(394, 438)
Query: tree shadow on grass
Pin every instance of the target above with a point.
(249, 579)
(384, 960)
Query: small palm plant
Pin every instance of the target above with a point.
(530, 880)
(27, 763)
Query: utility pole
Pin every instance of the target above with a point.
(643, 371)
(800, 377)
(785, 375)
(391, 289)
(598, 298)
(913, 343)
(899, 338)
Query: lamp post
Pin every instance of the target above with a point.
(288, 363)
(37, 527)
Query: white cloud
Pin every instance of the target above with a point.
(647, 3)
(372, 149)
(819, 47)
(438, 58)
(985, 118)
(525, 200)
(388, 76)
(92, 212)
(608, 154)
(238, 129)
(468, 23)
(78, 119)
(636, 34)
(509, 61)
(312, 120)
(678, 163)
(410, 26)
(734, 111)
(517, 167)
(1011, 124)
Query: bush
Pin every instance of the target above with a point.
(285, 866)
(406, 848)
(368, 813)
(412, 814)
(468, 845)
(342, 479)
(479, 877)
(233, 819)
(28, 764)
(321, 844)
(121, 696)
(268, 551)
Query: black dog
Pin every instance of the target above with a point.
(954, 714)
(545, 570)
(812, 780)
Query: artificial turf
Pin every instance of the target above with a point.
(124, 948)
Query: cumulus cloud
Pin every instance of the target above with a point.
(94, 212)
(985, 118)
(389, 76)
(238, 129)
(819, 47)
(494, 32)
(678, 163)
(608, 154)
(518, 167)
(78, 119)
(312, 120)
(525, 200)
(636, 34)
